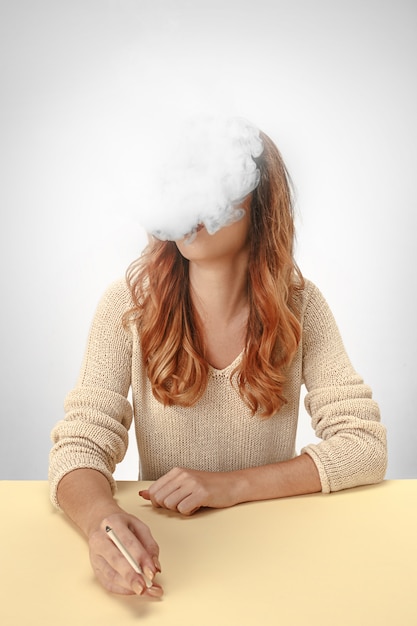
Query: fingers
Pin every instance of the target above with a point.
(179, 490)
(183, 499)
(114, 581)
(142, 532)
(113, 568)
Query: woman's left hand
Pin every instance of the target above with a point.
(186, 490)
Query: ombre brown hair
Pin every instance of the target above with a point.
(172, 342)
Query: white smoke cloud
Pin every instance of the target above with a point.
(202, 177)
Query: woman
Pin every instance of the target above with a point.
(214, 333)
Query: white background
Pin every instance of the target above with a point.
(85, 86)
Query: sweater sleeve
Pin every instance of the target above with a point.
(94, 431)
(353, 450)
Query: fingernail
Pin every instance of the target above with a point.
(137, 588)
(148, 572)
(155, 591)
(157, 563)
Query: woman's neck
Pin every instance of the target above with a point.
(220, 298)
(219, 292)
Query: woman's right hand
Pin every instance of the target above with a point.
(110, 566)
(85, 496)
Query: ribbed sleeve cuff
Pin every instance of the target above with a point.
(61, 467)
(351, 459)
(325, 484)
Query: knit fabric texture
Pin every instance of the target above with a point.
(218, 433)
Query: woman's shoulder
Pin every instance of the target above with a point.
(309, 293)
(118, 288)
(313, 305)
(116, 297)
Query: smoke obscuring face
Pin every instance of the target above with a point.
(205, 174)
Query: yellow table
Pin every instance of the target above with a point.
(348, 558)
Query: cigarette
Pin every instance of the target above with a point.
(127, 555)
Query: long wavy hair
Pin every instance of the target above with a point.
(171, 338)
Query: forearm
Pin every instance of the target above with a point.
(85, 496)
(297, 476)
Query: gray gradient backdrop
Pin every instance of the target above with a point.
(86, 85)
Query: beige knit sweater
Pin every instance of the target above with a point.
(218, 433)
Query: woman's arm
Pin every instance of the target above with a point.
(295, 477)
(94, 432)
(91, 440)
(353, 446)
(85, 497)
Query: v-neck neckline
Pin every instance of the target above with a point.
(230, 367)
